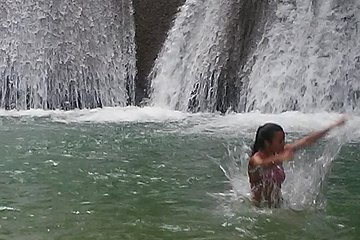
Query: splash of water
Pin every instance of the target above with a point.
(234, 166)
(66, 54)
(308, 59)
(306, 176)
(186, 73)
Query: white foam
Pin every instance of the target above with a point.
(29, 113)
(232, 124)
(103, 115)
(246, 123)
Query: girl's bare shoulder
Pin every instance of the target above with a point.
(255, 160)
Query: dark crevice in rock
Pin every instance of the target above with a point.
(153, 19)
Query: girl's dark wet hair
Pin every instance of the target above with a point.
(265, 134)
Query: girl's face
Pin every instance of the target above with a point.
(278, 142)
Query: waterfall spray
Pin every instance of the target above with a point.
(186, 73)
(308, 59)
(66, 54)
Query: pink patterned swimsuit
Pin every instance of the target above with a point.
(265, 183)
(275, 174)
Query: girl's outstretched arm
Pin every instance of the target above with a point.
(313, 137)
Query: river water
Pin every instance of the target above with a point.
(149, 173)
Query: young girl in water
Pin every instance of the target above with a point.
(265, 170)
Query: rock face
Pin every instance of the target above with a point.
(153, 19)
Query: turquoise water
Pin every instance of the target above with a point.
(151, 174)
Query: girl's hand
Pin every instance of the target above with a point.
(340, 122)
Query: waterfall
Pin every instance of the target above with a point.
(308, 59)
(66, 54)
(185, 75)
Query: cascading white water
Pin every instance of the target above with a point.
(308, 59)
(187, 70)
(66, 54)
